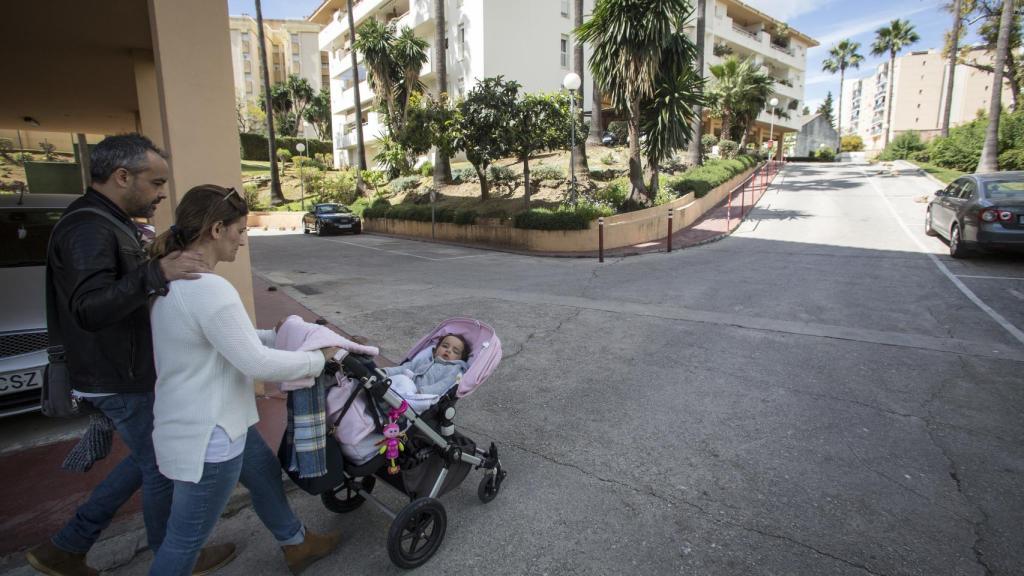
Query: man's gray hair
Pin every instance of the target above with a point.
(126, 151)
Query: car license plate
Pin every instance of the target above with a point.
(1020, 219)
(342, 225)
(21, 381)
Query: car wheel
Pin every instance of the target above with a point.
(305, 228)
(928, 230)
(317, 229)
(956, 243)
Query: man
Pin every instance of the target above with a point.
(103, 281)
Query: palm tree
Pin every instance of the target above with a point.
(954, 39)
(442, 167)
(990, 149)
(360, 148)
(276, 196)
(892, 39)
(741, 90)
(630, 41)
(394, 63)
(580, 154)
(695, 156)
(842, 56)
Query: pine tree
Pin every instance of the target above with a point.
(826, 109)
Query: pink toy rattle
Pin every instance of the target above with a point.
(392, 444)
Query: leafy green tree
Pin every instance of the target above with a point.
(539, 122)
(301, 95)
(486, 113)
(669, 120)
(637, 45)
(318, 114)
(825, 109)
(433, 123)
(891, 40)
(394, 62)
(989, 12)
(841, 57)
(740, 90)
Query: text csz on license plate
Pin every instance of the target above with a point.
(21, 381)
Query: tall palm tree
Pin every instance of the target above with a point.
(442, 167)
(892, 39)
(954, 39)
(741, 90)
(374, 41)
(842, 56)
(990, 149)
(276, 196)
(629, 39)
(580, 154)
(360, 147)
(695, 155)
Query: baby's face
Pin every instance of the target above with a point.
(449, 350)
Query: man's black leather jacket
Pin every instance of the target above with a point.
(103, 281)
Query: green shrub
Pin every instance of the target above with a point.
(324, 158)
(359, 206)
(49, 150)
(378, 208)
(427, 169)
(961, 150)
(921, 156)
(902, 146)
(827, 154)
(608, 159)
(664, 196)
(283, 154)
(255, 147)
(810, 154)
(702, 179)
(404, 183)
(252, 197)
(340, 187)
(727, 148)
(463, 175)
(307, 162)
(501, 174)
(547, 172)
(851, 143)
(707, 142)
(620, 129)
(615, 193)
(1012, 159)
(464, 217)
(561, 219)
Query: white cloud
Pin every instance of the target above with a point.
(821, 79)
(866, 24)
(786, 10)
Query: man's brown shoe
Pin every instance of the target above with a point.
(213, 557)
(53, 561)
(314, 547)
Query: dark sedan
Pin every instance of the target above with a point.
(324, 218)
(979, 211)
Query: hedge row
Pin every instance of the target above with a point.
(418, 213)
(564, 218)
(713, 173)
(256, 147)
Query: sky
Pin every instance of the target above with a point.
(827, 21)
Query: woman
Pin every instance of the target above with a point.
(207, 352)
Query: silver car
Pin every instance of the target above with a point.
(26, 221)
(979, 211)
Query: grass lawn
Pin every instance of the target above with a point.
(947, 175)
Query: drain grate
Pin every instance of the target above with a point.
(308, 289)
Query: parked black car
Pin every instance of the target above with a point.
(609, 139)
(330, 217)
(979, 211)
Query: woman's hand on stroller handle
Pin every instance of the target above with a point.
(333, 353)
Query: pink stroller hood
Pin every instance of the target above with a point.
(485, 349)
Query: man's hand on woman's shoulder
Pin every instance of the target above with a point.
(183, 265)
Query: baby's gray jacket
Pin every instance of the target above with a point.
(431, 375)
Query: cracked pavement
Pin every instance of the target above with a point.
(808, 396)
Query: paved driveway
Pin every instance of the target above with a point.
(813, 395)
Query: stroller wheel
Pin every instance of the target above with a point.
(417, 532)
(346, 498)
(489, 486)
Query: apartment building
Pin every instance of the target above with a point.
(530, 41)
(734, 28)
(918, 97)
(292, 48)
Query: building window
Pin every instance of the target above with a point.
(460, 48)
(565, 8)
(564, 49)
(461, 89)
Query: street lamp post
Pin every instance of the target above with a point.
(771, 131)
(572, 82)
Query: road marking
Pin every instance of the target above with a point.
(1013, 330)
(988, 277)
(401, 253)
(1017, 294)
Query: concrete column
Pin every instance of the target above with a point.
(186, 104)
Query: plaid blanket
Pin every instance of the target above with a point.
(307, 430)
(95, 444)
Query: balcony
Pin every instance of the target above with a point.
(745, 32)
(347, 100)
(783, 49)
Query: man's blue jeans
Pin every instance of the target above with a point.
(132, 415)
(197, 506)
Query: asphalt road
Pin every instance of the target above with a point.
(812, 395)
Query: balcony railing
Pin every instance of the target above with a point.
(744, 31)
(781, 48)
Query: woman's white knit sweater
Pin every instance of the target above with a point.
(207, 352)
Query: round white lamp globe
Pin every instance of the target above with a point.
(774, 102)
(571, 81)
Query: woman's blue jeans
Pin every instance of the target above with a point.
(196, 506)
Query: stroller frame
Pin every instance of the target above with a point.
(423, 522)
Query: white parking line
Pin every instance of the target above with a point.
(1013, 330)
(401, 253)
(988, 277)
(1015, 293)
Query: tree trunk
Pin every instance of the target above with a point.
(725, 126)
(651, 171)
(1011, 76)
(276, 196)
(953, 50)
(636, 178)
(485, 189)
(743, 138)
(580, 168)
(839, 114)
(888, 100)
(442, 167)
(990, 151)
(360, 148)
(694, 152)
(526, 183)
(596, 128)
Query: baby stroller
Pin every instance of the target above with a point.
(436, 457)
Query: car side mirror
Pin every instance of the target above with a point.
(941, 192)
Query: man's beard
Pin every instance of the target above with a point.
(139, 208)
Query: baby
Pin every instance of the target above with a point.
(430, 373)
